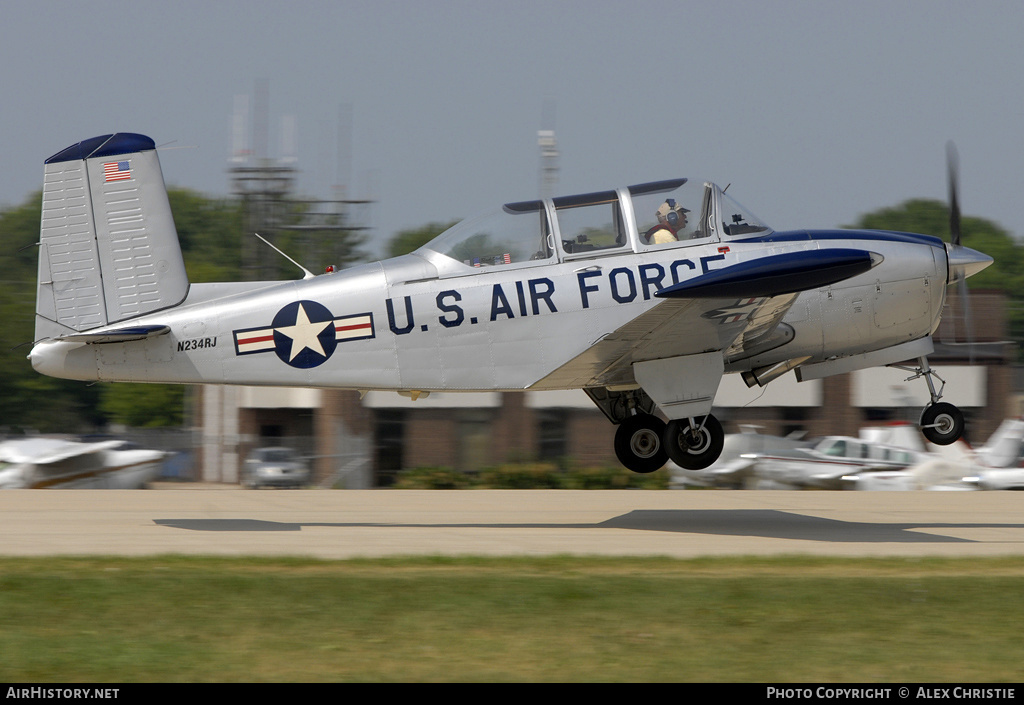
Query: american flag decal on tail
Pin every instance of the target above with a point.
(117, 171)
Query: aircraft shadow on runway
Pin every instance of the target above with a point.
(765, 523)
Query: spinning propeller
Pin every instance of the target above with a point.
(953, 171)
(963, 261)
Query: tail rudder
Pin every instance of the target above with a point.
(108, 249)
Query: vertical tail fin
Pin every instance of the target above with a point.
(108, 249)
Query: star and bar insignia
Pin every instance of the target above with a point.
(738, 311)
(304, 334)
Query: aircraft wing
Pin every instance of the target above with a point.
(677, 350)
(676, 327)
(44, 451)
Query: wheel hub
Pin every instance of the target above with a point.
(644, 443)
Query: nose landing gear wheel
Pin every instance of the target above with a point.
(638, 443)
(942, 423)
(695, 444)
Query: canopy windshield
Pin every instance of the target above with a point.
(737, 220)
(498, 239)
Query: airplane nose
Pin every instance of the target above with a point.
(964, 262)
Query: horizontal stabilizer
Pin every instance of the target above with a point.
(119, 335)
(778, 274)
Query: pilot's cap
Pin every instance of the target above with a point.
(670, 206)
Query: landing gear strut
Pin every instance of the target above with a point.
(941, 423)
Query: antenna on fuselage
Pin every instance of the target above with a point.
(308, 274)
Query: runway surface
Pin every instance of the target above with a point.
(346, 523)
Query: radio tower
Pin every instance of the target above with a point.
(548, 152)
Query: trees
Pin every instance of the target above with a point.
(405, 241)
(27, 399)
(930, 217)
(210, 233)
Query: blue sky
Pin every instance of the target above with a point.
(815, 112)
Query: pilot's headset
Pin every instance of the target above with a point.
(670, 210)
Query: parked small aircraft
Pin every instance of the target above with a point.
(48, 463)
(832, 461)
(642, 296)
(994, 466)
(892, 457)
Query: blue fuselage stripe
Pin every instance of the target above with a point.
(876, 235)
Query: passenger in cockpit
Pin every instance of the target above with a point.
(671, 219)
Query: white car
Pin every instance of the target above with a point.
(274, 467)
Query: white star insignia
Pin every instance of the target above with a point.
(304, 334)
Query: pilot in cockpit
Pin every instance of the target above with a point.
(671, 220)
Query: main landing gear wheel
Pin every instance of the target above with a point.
(638, 443)
(694, 444)
(942, 423)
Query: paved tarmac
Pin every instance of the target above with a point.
(334, 524)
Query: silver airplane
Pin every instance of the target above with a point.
(642, 296)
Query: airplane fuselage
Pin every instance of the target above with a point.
(397, 325)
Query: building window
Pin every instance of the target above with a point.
(552, 433)
(474, 441)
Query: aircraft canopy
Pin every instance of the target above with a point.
(659, 214)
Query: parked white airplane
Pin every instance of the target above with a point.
(994, 466)
(47, 463)
(826, 464)
(895, 458)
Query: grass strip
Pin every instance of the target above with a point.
(791, 619)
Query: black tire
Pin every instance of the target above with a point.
(638, 444)
(942, 423)
(690, 450)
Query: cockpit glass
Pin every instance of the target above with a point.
(670, 217)
(737, 220)
(507, 237)
(834, 448)
(591, 227)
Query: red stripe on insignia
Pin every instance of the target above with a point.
(256, 339)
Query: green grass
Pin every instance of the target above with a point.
(186, 619)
